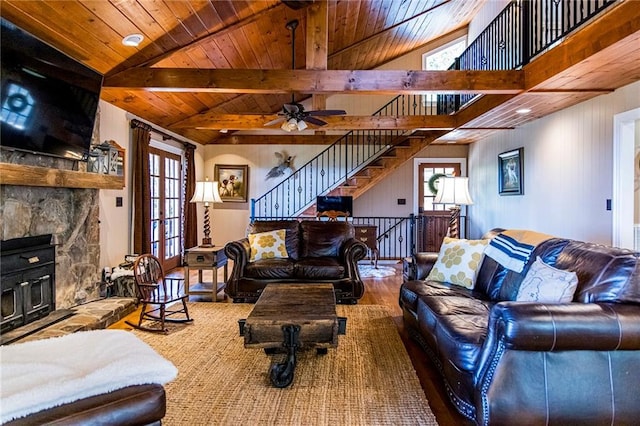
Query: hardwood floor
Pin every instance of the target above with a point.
(385, 291)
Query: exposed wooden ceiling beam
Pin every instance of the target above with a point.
(318, 81)
(256, 122)
(279, 139)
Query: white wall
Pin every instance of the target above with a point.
(229, 220)
(115, 222)
(568, 166)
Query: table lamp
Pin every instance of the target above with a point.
(206, 192)
(453, 190)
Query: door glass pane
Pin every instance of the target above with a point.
(430, 176)
(172, 207)
(156, 213)
(166, 206)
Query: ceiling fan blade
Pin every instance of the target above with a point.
(275, 121)
(327, 112)
(315, 121)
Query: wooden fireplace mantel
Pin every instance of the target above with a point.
(18, 174)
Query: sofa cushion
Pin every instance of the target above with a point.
(270, 269)
(459, 325)
(320, 238)
(546, 284)
(292, 238)
(499, 283)
(458, 262)
(411, 291)
(605, 274)
(268, 245)
(319, 268)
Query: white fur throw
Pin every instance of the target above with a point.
(47, 373)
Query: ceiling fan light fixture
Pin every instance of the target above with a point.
(290, 125)
(301, 125)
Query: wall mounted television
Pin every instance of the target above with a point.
(326, 203)
(49, 100)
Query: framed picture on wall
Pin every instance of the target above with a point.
(511, 172)
(233, 182)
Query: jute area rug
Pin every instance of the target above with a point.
(367, 380)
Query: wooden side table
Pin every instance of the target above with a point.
(368, 234)
(201, 259)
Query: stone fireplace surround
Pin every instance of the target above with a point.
(70, 215)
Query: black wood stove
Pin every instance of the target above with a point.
(27, 280)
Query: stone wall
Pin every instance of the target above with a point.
(71, 216)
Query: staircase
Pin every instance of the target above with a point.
(406, 148)
(352, 165)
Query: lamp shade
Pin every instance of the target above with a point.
(453, 190)
(206, 192)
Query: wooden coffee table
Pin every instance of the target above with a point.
(293, 316)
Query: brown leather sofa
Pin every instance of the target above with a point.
(132, 405)
(319, 251)
(508, 362)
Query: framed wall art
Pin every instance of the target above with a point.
(511, 172)
(233, 182)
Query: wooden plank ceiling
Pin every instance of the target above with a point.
(243, 49)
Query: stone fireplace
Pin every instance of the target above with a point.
(71, 216)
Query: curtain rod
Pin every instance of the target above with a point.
(165, 136)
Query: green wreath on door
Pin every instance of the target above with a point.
(433, 181)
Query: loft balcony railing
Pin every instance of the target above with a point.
(337, 163)
(523, 30)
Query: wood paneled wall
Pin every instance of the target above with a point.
(568, 169)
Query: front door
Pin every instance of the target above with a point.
(435, 217)
(166, 211)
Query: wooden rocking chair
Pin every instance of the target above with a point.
(164, 295)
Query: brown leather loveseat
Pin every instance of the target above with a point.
(317, 251)
(515, 362)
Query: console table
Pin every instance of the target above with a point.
(201, 259)
(368, 234)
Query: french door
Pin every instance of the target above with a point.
(166, 207)
(435, 217)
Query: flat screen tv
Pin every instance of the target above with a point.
(49, 100)
(326, 203)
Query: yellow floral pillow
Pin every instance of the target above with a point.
(458, 262)
(268, 245)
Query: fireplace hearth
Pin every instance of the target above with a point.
(27, 280)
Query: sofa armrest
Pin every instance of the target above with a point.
(421, 265)
(240, 252)
(352, 251)
(573, 326)
(548, 346)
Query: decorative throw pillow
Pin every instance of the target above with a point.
(458, 262)
(268, 245)
(544, 283)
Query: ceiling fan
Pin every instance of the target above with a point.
(293, 116)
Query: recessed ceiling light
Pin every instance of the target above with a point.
(523, 111)
(133, 40)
